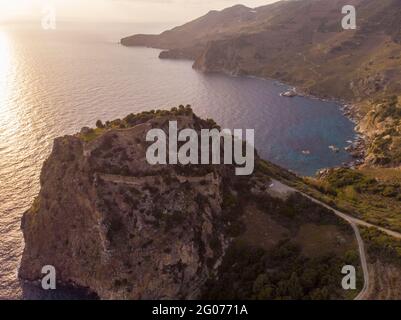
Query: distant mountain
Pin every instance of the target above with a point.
(214, 25)
(299, 42)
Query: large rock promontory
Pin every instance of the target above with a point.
(110, 222)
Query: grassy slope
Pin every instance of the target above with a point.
(287, 249)
(368, 194)
(384, 254)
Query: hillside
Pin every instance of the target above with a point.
(300, 42)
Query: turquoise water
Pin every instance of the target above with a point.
(54, 83)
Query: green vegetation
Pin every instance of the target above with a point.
(345, 177)
(385, 144)
(382, 246)
(92, 134)
(271, 170)
(116, 230)
(389, 108)
(132, 120)
(249, 272)
(285, 270)
(360, 193)
(233, 205)
(35, 205)
(99, 124)
(173, 220)
(298, 210)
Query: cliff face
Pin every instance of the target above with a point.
(382, 126)
(110, 222)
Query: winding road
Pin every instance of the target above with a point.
(280, 188)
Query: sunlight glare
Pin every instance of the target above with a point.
(5, 66)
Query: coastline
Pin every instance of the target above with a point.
(358, 146)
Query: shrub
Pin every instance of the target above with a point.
(99, 124)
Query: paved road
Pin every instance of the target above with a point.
(280, 188)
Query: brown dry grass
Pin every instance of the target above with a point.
(391, 175)
(261, 230)
(318, 240)
(385, 282)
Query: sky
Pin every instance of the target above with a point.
(136, 11)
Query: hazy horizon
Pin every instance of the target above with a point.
(134, 11)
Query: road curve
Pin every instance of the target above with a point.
(280, 188)
(361, 244)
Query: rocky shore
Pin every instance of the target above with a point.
(357, 147)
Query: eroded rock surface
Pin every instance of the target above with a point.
(110, 222)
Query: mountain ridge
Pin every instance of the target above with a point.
(274, 40)
(301, 43)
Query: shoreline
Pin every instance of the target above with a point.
(357, 147)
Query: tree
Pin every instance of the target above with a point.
(294, 287)
(99, 124)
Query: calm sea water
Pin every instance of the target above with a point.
(54, 83)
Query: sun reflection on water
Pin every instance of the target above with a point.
(5, 66)
(9, 122)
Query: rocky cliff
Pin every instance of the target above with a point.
(110, 222)
(382, 126)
